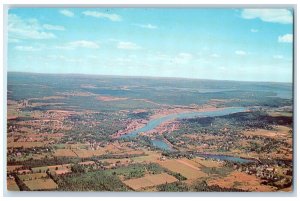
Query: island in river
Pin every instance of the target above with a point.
(147, 134)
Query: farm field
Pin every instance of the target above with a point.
(149, 99)
(207, 163)
(26, 144)
(184, 168)
(241, 181)
(72, 137)
(41, 184)
(150, 181)
(33, 176)
(12, 185)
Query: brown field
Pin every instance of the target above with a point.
(33, 137)
(76, 146)
(57, 169)
(180, 166)
(87, 163)
(48, 98)
(79, 151)
(280, 131)
(26, 144)
(276, 114)
(41, 184)
(64, 152)
(150, 157)
(190, 163)
(10, 139)
(112, 160)
(53, 167)
(242, 181)
(149, 181)
(12, 185)
(114, 148)
(110, 98)
(33, 176)
(288, 189)
(133, 152)
(83, 153)
(62, 170)
(12, 168)
(207, 163)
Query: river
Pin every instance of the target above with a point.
(184, 115)
(161, 144)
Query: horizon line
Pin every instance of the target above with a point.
(146, 76)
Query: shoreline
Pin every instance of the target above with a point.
(164, 113)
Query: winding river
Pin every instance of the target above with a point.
(161, 144)
(184, 115)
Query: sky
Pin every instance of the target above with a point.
(201, 43)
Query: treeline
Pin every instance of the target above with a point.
(139, 115)
(255, 119)
(90, 181)
(46, 161)
(198, 186)
(230, 124)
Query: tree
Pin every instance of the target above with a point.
(78, 168)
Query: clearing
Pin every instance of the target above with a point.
(149, 181)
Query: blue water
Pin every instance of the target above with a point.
(156, 122)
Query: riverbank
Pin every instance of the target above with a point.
(154, 123)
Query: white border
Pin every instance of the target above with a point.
(155, 3)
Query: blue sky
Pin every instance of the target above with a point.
(223, 44)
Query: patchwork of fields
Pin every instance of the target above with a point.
(66, 133)
(187, 170)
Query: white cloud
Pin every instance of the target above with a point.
(67, 13)
(254, 30)
(240, 52)
(215, 55)
(277, 56)
(112, 17)
(54, 27)
(146, 26)
(185, 55)
(282, 16)
(77, 44)
(19, 28)
(27, 48)
(287, 38)
(128, 46)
